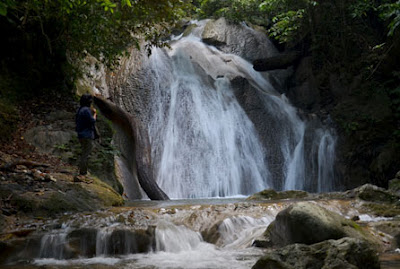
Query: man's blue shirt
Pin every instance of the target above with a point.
(85, 123)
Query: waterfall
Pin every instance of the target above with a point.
(207, 140)
(326, 157)
(209, 147)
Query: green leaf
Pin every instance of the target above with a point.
(3, 9)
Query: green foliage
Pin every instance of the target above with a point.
(285, 25)
(387, 10)
(235, 11)
(5, 5)
(102, 28)
(288, 17)
(391, 12)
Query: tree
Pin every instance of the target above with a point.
(102, 28)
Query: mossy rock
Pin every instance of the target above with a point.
(373, 193)
(189, 29)
(106, 194)
(270, 194)
(394, 185)
(343, 253)
(308, 223)
(382, 210)
(63, 196)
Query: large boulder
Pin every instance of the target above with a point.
(58, 131)
(372, 193)
(347, 252)
(241, 40)
(308, 223)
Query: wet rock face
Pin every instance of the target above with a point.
(309, 223)
(343, 253)
(125, 242)
(89, 242)
(83, 242)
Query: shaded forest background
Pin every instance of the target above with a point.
(353, 49)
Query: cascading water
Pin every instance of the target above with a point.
(205, 145)
(208, 143)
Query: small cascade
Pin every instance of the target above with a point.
(53, 246)
(119, 242)
(180, 247)
(239, 232)
(172, 238)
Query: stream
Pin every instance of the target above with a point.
(197, 233)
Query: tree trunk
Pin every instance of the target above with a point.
(141, 146)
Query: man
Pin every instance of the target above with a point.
(85, 127)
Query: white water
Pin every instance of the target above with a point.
(205, 145)
(177, 240)
(53, 245)
(175, 245)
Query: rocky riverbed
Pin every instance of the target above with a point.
(211, 233)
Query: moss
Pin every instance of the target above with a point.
(82, 87)
(189, 29)
(370, 194)
(383, 210)
(270, 194)
(107, 195)
(57, 203)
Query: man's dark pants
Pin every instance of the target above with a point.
(87, 146)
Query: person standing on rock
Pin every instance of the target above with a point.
(85, 127)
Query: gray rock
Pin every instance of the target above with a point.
(46, 139)
(372, 193)
(343, 253)
(241, 40)
(58, 131)
(308, 223)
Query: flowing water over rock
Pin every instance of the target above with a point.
(175, 234)
(206, 139)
